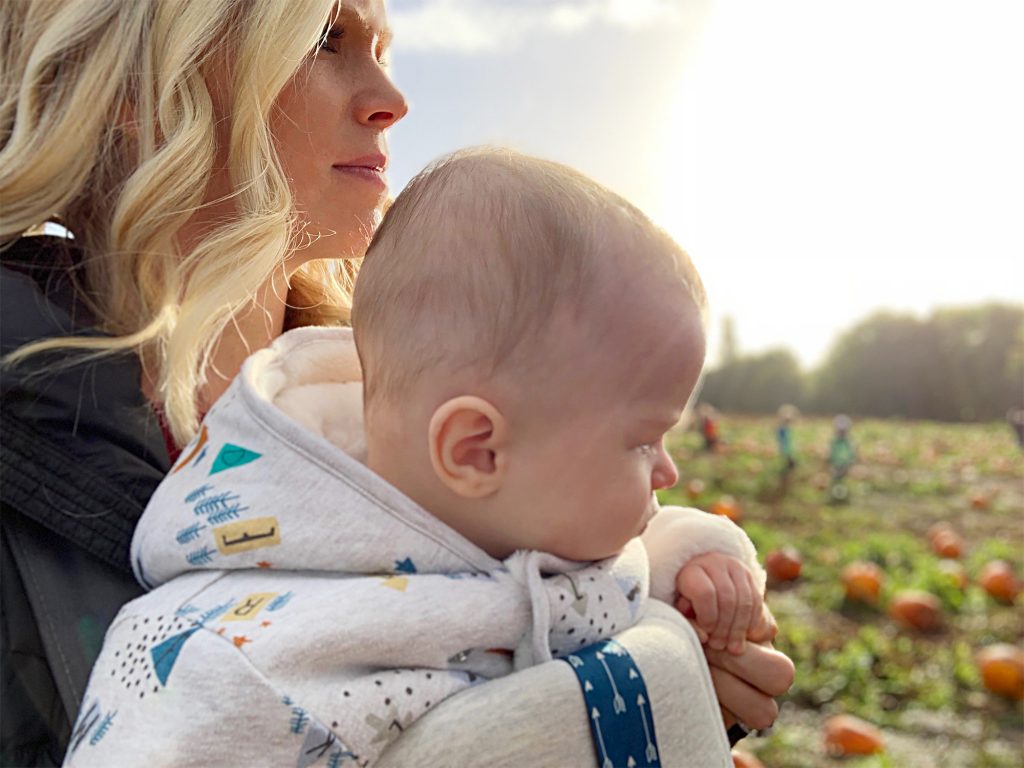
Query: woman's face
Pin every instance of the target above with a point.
(329, 127)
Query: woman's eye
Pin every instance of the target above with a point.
(331, 38)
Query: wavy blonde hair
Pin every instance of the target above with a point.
(107, 121)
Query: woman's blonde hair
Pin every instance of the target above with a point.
(107, 121)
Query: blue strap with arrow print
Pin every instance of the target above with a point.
(618, 706)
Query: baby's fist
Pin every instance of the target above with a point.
(719, 593)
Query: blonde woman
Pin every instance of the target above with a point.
(219, 164)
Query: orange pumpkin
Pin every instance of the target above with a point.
(743, 759)
(849, 735)
(998, 579)
(862, 581)
(915, 609)
(727, 507)
(947, 543)
(979, 500)
(937, 529)
(1002, 669)
(783, 564)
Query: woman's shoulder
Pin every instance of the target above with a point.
(79, 428)
(39, 294)
(538, 716)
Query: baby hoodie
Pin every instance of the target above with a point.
(304, 612)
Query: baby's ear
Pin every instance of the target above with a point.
(467, 446)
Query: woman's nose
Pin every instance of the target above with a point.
(665, 474)
(384, 106)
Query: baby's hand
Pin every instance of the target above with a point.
(719, 593)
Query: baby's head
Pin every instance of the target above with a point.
(527, 339)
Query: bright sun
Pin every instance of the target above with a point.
(835, 159)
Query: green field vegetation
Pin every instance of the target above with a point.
(923, 690)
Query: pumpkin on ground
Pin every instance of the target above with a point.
(998, 579)
(948, 544)
(1002, 669)
(862, 581)
(726, 506)
(783, 564)
(938, 529)
(849, 735)
(916, 609)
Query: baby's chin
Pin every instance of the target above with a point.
(652, 509)
(595, 554)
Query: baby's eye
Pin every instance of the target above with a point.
(649, 449)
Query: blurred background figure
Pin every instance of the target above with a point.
(784, 438)
(708, 426)
(841, 456)
(1015, 418)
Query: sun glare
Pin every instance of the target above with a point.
(832, 159)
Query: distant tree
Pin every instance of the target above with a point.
(957, 364)
(730, 351)
(880, 368)
(961, 364)
(755, 383)
(983, 352)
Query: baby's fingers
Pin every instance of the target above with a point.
(724, 599)
(746, 603)
(757, 612)
(696, 585)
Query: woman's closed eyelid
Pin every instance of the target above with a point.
(333, 34)
(336, 34)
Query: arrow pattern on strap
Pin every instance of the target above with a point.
(621, 722)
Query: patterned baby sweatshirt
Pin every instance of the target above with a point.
(305, 612)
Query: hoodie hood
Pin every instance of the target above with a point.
(275, 480)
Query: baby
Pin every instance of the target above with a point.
(544, 343)
(526, 339)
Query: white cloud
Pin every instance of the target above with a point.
(481, 26)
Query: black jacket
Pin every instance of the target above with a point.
(80, 454)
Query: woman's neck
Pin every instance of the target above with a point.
(252, 329)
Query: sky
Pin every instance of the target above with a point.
(819, 160)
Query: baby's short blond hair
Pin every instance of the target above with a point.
(478, 254)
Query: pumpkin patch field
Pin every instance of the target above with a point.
(898, 595)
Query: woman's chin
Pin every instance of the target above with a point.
(341, 239)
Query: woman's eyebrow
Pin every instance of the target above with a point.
(347, 15)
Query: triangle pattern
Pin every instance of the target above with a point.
(232, 456)
(166, 653)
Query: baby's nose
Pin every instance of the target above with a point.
(665, 474)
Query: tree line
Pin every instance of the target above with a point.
(964, 364)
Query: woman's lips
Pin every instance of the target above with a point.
(369, 168)
(371, 175)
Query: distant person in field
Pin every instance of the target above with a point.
(526, 339)
(841, 455)
(784, 438)
(1015, 418)
(708, 427)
